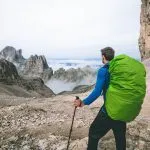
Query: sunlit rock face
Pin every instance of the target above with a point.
(144, 40)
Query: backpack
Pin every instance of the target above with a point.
(127, 88)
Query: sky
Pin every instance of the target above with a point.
(70, 28)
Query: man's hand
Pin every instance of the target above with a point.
(78, 103)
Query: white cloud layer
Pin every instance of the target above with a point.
(70, 28)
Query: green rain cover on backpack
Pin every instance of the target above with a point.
(127, 88)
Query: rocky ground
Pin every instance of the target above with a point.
(44, 123)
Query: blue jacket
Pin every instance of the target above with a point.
(101, 86)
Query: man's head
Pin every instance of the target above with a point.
(108, 54)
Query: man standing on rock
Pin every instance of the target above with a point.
(103, 123)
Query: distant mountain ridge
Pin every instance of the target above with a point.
(37, 67)
(33, 67)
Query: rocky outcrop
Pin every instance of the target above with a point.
(144, 40)
(36, 63)
(8, 72)
(9, 76)
(36, 66)
(11, 54)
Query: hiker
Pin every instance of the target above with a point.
(103, 123)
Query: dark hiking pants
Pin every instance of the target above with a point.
(101, 125)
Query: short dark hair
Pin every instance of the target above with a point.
(108, 52)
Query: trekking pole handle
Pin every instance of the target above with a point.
(77, 97)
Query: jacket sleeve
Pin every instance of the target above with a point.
(98, 87)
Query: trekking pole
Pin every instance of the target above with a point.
(71, 125)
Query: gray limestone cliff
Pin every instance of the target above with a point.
(144, 40)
